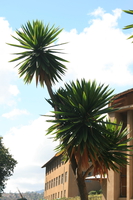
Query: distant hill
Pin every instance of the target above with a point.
(40, 191)
(28, 195)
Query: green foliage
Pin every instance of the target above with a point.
(82, 129)
(95, 192)
(90, 197)
(7, 164)
(92, 192)
(81, 107)
(131, 25)
(39, 56)
(99, 191)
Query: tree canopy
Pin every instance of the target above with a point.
(7, 164)
(85, 136)
(39, 57)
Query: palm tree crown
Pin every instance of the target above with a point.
(39, 57)
(82, 129)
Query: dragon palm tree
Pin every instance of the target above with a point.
(86, 138)
(39, 56)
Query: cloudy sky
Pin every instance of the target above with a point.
(97, 49)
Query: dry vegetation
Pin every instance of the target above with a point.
(90, 197)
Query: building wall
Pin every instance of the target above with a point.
(56, 180)
(61, 182)
(119, 186)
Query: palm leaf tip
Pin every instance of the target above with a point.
(39, 56)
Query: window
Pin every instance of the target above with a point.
(61, 194)
(64, 193)
(51, 167)
(56, 181)
(55, 195)
(45, 186)
(58, 194)
(65, 176)
(61, 178)
(51, 183)
(57, 163)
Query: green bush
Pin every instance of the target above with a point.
(99, 191)
(93, 192)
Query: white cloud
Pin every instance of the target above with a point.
(7, 71)
(31, 148)
(97, 12)
(101, 51)
(14, 113)
(13, 89)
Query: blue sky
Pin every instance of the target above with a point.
(98, 49)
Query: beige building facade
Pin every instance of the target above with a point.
(60, 180)
(119, 186)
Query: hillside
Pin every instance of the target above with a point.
(27, 195)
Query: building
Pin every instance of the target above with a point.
(119, 186)
(60, 180)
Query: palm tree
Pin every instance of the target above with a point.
(131, 25)
(86, 138)
(39, 56)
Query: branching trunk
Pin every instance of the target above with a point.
(80, 180)
(82, 187)
(88, 170)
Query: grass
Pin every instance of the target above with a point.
(90, 197)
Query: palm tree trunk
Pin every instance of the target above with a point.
(82, 187)
(80, 179)
(50, 91)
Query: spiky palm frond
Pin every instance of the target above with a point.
(131, 25)
(117, 152)
(39, 56)
(82, 129)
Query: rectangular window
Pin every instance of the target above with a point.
(58, 194)
(61, 194)
(45, 186)
(56, 181)
(51, 183)
(59, 162)
(65, 176)
(50, 169)
(61, 178)
(64, 193)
